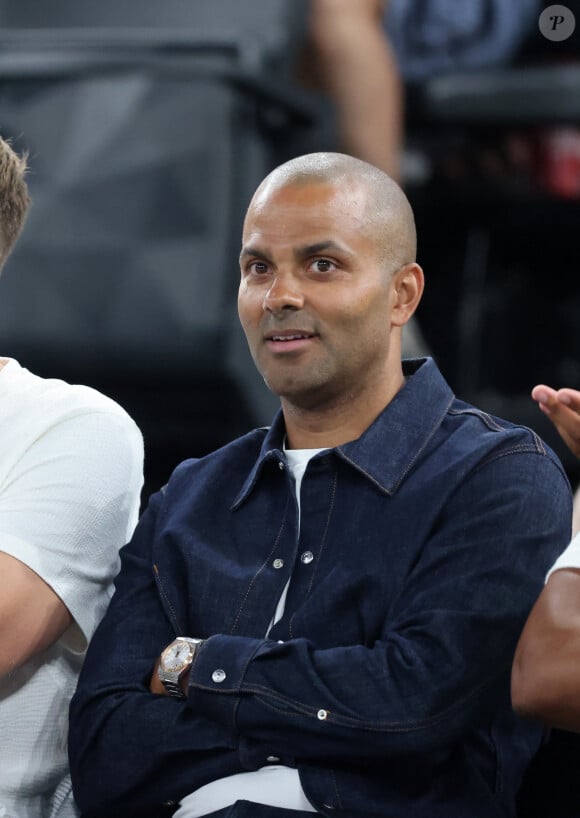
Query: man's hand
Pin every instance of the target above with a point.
(155, 685)
(562, 406)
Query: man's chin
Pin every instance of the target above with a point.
(284, 389)
(307, 396)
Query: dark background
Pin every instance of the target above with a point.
(148, 127)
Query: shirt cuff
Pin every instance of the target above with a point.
(219, 667)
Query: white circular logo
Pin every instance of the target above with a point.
(557, 23)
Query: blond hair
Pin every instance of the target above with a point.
(14, 198)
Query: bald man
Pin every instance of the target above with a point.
(320, 617)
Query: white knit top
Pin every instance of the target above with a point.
(71, 471)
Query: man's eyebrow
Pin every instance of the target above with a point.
(299, 252)
(320, 247)
(248, 250)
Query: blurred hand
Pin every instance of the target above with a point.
(562, 406)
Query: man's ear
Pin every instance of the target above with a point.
(407, 288)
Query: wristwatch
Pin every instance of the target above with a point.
(175, 661)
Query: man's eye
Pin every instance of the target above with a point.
(259, 267)
(323, 265)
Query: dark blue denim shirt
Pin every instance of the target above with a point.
(386, 682)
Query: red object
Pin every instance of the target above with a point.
(559, 161)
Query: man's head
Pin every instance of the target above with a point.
(14, 199)
(328, 279)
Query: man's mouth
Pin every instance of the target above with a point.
(288, 340)
(290, 337)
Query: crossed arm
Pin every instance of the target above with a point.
(298, 698)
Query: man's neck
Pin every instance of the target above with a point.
(335, 423)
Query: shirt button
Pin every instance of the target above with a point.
(218, 676)
(307, 557)
(322, 714)
(281, 465)
(278, 563)
(272, 759)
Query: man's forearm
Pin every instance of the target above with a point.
(546, 672)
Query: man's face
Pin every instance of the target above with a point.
(315, 296)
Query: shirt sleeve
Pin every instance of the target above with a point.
(68, 506)
(148, 750)
(570, 558)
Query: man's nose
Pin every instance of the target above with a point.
(284, 293)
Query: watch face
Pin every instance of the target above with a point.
(176, 656)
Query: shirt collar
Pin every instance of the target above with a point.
(387, 450)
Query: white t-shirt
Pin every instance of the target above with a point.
(71, 471)
(274, 785)
(570, 558)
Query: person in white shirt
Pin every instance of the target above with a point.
(71, 472)
(546, 671)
